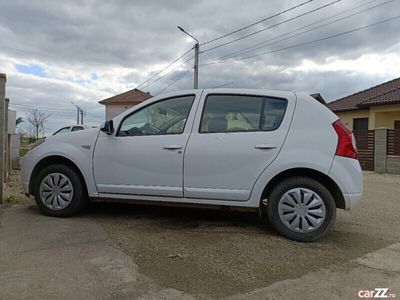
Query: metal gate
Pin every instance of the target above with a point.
(365, 146)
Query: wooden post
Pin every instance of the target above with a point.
(2, 132)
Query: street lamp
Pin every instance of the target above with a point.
(196, 59)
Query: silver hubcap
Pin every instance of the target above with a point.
(301, 210)
(56, 191)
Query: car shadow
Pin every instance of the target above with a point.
(185, 217)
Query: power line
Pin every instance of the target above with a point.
(223, 84)
(274, 40)
(272, 26)
(46, 108)
(170, 64)
(56, 112)
(309, 42)
(173, 82)
(183, 63)
(255, 23)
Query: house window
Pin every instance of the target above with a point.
(360, 124)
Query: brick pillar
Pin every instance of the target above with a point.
(380, 150)
(2, 132)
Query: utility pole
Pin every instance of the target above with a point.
(196, 66)
(79, 112)
(196, 58)
(81, 116)
(2, 132)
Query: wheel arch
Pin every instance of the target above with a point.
(316, 175)
(51, 160)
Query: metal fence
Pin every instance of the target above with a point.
(393, 142)
(365, 147)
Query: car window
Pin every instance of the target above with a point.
(62, 130)
(77, 128)
(238, 113)
(163, 117)
(274, 110)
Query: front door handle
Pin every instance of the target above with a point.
(172, 147)
(265, 147)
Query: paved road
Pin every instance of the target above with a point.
(128, 252)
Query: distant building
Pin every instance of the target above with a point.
(376, 107)
(120, 103)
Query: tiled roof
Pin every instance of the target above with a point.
(385, 93)
(132, 96)
(390, 97)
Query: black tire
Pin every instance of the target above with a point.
(79, 199)
(305, 183)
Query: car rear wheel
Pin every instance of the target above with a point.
(59, 191)
(301, 209)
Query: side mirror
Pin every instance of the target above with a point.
(108, 127)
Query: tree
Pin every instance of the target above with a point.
(37, 119)
(18, 121)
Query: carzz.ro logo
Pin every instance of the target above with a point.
(376, 293)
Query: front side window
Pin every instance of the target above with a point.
(62, 130)
(163, 117)
(238, 113)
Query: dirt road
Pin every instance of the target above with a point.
(122, 251)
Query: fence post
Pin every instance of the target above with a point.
(380, 150)
(5, 166)
(2, 132)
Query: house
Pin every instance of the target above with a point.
(120, 103)
(376, 107)
(374, 116)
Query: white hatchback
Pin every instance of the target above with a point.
(281, 153)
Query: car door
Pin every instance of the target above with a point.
(233, 141)
(145, 155)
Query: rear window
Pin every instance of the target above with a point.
(240, 113)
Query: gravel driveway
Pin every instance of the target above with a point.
(150, 252)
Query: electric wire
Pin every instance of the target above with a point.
(280, 39)
(255, 23)
(307, 43)
(272, 26)
(173, 82)
(165, 68)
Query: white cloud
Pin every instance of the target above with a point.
(369, 64)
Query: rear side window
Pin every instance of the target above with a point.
(77, 128)
(240, 113)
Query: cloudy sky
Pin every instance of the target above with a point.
(55, 52)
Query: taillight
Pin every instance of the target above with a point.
(346, 144)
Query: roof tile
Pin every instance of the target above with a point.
(132, 96)
(385, 93)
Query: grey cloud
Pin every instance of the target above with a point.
(140, 34)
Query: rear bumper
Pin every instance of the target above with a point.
(347, 174)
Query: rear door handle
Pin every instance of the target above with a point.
(172, 147)
(264, 147)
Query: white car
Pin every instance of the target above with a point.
(281, 153)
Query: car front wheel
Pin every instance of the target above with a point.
(301, 209)
(59, 191)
